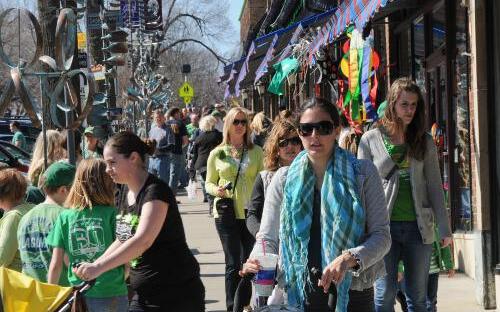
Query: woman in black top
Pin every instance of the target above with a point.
(164, 274)
(209, 139)
(281, 147)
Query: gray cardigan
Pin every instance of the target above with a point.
(425, 179)
(376, 240)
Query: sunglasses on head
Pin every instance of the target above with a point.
(285, 142)
(237, 122)
(322, 128)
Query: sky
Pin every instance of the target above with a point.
(233, 15)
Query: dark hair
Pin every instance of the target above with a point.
(15, 124)
(415, 132)
(125, 143)
(173, 111)
(324, 105)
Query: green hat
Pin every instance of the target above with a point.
(216, 113)
(381, 109)
(60, 173)
(89, 130)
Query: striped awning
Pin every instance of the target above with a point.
(357, 12)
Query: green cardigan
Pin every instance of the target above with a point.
(222, 168)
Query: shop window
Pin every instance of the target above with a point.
(438, 27)
(462, 117)
(418, 53)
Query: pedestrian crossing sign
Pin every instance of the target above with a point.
(186, 90)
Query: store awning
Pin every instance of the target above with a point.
(264, 50)
(357, 12)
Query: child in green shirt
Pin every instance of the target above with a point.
(85, 231)
(12, 189)
(35, 226)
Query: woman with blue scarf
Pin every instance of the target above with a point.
(326, 210)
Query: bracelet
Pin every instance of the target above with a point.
(355, 268)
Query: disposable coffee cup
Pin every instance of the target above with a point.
(264, 279)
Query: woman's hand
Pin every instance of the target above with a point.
(451, 273)
(87, 271)
(221, 192)
(249, 267)
(335, 271)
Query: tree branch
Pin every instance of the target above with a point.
(173, 44)
(199, 22)
(170, 9)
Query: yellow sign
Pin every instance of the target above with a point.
(186, 90)
(187, 99)
(82, 40)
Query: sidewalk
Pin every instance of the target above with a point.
(455, 295)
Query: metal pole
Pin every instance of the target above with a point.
(44, 124)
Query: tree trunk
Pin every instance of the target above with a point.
(47, 15)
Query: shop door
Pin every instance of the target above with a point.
(439, 121)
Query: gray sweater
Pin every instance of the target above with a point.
(376, 240)
(425, 179)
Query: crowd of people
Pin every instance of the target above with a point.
(367, 217)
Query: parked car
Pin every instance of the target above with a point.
(14, 156)
(30, 141)
(25, 123)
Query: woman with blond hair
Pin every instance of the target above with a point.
(236, 161)
(55, 152)
(85, 231)
(202, 146)
(260, 127)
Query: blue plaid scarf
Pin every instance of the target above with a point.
(342, 221)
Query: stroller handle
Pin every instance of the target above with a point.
(332, 290)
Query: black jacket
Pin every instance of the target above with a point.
(202, 147)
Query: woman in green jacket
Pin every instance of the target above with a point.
(238, 161)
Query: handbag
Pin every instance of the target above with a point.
(225, 206)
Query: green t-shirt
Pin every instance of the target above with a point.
(9, 252)
(403, 209)
(19, 136)
(31, 233)
(191, 130)
(85, 235)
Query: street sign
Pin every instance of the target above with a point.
(187, 99)
(186, 90)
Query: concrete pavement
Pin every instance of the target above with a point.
(455, 295)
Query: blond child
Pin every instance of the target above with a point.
(85, 231)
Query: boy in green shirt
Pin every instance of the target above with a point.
(12, 189)
(36, 225)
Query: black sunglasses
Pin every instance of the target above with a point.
(285, 142)
(324, 127)
(237, 122)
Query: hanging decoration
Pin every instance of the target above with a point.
(358, 83)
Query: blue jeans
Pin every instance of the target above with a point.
(407, 246)
(176, 162)
(160, 167)
(110, 304)
(432, 291)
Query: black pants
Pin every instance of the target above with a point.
(359, 301)
(237, 243)
(189, 297)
